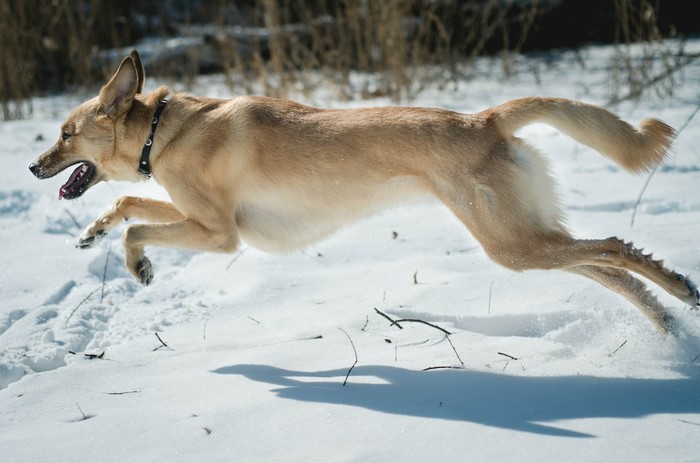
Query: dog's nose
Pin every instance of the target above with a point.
(36, 170)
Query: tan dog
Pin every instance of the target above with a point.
(281, 175)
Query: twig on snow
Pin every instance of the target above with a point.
(163, 344)
(236, 257)
(95, 356)
(104, 273)
(689, 422)
(409, 320)
(509, 356)
(366, 323)
(90, 356)
(443, 367)
(455, 351)
(85, 417)
(81, 303)
(490, 292)
(615, 351)
(391, 320)
(354, 351)
(416, 320)
(653, 171)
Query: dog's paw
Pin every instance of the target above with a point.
(144, 271)
(693, 298)
(90, 237)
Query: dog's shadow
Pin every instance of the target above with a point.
(520, 403)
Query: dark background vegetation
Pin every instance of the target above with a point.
(55, 45)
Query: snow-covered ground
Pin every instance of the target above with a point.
(555, 368)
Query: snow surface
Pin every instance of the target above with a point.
(259, 345)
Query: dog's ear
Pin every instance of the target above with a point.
(140, 72)
(117, 96)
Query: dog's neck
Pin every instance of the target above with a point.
(144, 167)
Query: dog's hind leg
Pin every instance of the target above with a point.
(632, 289)
(125, 208)
(613, 252)
(511, 209)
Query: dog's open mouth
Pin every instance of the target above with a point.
(78, 182)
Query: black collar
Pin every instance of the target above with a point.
(144, 163)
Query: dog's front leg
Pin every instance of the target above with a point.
(125, 208)
(186, 233)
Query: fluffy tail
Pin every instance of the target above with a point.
(635, 150)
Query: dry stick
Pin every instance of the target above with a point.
(104, 273)
(442, 367)
(415, 320)
(81, 411)
(85, 417)
(409, 320)
(81, 303)
(366, 323)
(123, 393)
(509, 356)
(658, 78)
(391, 320)
(653, 171)
(236, 258)
(455, 351)
(490, 291)
(615, 351)
(162, 342)
(354, 351)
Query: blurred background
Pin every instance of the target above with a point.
(396, 45)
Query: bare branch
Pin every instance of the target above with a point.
(615, 351)
(653, 171)
(163, 344)
(391, 320)
(445, 367)
(104, 273)
(81, 303)
(415, 320)
(354, 351)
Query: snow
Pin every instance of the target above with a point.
(259, 345)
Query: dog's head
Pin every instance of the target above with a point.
(94, 135)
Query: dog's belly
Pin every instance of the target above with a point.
(280, 221)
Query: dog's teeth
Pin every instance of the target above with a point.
(85, 168)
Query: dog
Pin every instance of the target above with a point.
(280, 175)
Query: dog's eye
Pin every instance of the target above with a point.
(65, 136)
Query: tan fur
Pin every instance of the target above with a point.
(281, 175)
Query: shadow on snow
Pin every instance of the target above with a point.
(491, 399)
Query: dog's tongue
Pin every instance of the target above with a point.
(73, 177)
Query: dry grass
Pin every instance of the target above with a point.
(363, 48)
